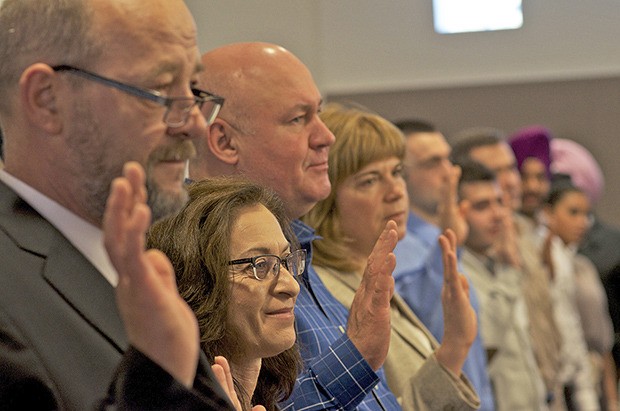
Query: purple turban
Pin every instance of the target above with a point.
(575, 160)
(532, 141)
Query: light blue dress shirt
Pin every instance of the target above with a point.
(419, 278)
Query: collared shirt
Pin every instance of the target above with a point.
(418, 279)
(84, 236)
(420, 234)
(335, 375)
(503, 322)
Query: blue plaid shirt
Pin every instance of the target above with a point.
(335, 376)
(418, 279)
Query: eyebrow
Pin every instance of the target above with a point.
(264, 250)
(173, 67)
(434, 157)
(306, 106)
(481, 203)
(367, 173)
(378, 172)
(297, 108)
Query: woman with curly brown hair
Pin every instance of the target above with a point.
(236, 263)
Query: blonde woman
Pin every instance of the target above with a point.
(368, 190)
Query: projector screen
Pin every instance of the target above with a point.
(458, 16)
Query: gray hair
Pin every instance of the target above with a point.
(50, 31)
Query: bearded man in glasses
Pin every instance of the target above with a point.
(91, 90)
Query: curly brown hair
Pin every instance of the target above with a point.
(197, 241)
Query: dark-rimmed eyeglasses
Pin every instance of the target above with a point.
(178, 109)
(262, 265)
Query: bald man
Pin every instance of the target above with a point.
(269, 131)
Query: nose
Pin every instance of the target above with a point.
(498, 211)
(396, 188)
(447, 165)
(527, 183)
(286, 283)
(194, 127)
(321, 136)
(584, 221)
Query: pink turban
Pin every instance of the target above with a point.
(575, 160)
(532, 141)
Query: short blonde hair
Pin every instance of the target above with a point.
(361, 138)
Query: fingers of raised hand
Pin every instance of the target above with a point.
(387, 240)
(380, 252)
(385, 282)
(163, 267)
(126, 219)
(464, 283)
(115, 215)
(222, 373)
(134, 173)
(447, 242)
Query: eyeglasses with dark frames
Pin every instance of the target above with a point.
(264, 264)
(178, 109)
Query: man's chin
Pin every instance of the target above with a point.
(323, 191)
(530, 206)
(166, 202)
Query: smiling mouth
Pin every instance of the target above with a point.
(285, 312)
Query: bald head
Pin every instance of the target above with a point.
(248, 74)
(268, 128)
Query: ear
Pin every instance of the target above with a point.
(221, 140)
(39, 97)
(464, 206)
(547, 216)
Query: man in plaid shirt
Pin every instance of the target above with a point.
(269, 131)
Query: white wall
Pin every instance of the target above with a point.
(378, 45)
(562, 69)
(290, 23)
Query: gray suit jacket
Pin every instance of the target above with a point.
(61, 336)
(413, 373)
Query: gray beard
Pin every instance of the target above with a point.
(163, 204)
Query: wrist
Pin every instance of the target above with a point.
(452, 356)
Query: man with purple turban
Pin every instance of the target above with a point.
(531, 146)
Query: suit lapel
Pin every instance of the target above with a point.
(66, 270)
(86, 290)
(405, 332)
(352, 281)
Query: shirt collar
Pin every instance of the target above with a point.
(421, 228)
